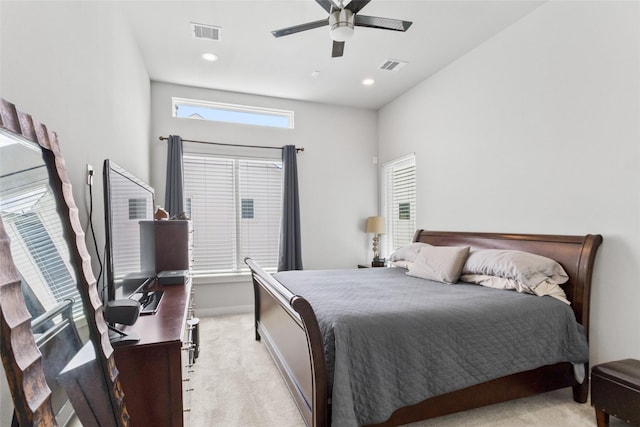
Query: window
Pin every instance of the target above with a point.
(247, 208)
(231, 113)
(235, 208)
(404, 211)
(399, 201)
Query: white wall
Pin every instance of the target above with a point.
(538, 130)
(336, 173)
(74, 66)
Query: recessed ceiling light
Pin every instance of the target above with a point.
(316, 73)
(368, 82)
(209, 57)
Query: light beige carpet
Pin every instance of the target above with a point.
(236, 384)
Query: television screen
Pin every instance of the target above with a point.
(128, 201)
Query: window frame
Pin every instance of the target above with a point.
(236, 113)
(387, 206)
(238, 268)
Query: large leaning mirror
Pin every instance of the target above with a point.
(54, 341)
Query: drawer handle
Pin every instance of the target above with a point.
(186, 410)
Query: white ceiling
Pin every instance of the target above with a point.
(252, 61)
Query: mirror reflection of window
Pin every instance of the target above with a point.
(130, 204)
(28, 209)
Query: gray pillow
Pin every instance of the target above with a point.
(439, 263)
(526, 268)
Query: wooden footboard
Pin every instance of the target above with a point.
(288, 326)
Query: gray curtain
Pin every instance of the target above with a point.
(290, 256)
(174, 190)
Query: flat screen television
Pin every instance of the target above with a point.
(127, 200)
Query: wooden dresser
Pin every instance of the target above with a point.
(154, 371)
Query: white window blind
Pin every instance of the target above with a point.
(235, 208)
(399, 201)
(38, 245)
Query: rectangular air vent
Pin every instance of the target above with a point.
(392, 65)
(202, 31)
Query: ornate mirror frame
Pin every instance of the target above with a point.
(20, 356)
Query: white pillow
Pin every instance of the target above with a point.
(439, 263)
(526, 268)
(544, 288)
(408, 252)
(402, 264)
(404, 256)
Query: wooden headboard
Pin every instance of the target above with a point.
(576, 254)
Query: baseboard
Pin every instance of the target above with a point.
(221, 311)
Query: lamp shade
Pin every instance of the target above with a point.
(376, 225)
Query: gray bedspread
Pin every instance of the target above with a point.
(392, 340)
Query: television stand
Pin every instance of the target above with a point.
(155, 371)
(157, 364)
(149, 301)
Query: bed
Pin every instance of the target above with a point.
(294, 330)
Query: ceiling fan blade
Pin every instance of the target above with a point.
(326, 4)
(382, 23)
(337, 50)
(356, 5)
(299, 28)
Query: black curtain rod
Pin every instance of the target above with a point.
(164, 138)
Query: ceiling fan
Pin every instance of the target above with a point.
(342, 20)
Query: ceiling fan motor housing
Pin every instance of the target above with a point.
(341, 23)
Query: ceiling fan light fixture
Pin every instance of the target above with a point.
(341, 23)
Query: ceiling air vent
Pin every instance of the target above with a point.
(202, 31)
(392, 65)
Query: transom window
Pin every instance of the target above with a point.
(232, 113)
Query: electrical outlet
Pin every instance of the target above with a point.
(89, 174)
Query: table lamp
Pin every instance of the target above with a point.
(376, 225)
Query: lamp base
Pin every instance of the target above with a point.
(379, 262)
